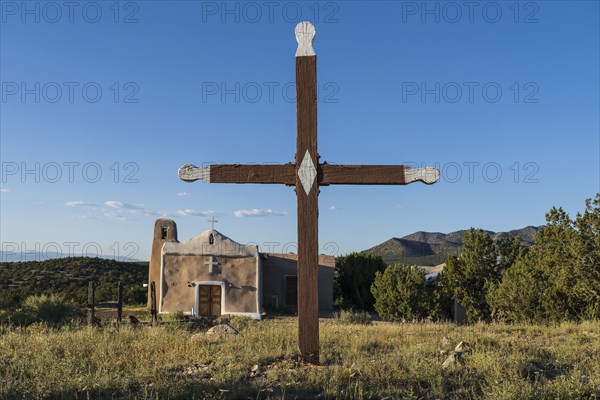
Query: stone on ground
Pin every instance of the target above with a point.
(221, 330)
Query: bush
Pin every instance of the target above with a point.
(49, 309)
(15, 317)
(518, 297)
(135, 295)
(10, 299)
(175, 316)
(439, 306)
(400, 293)
(176, 320)
(559, 278)
(239, 322)
(350, 316)
(355, 275)
(481, 263)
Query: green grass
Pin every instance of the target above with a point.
(351, 316)
(357, 361)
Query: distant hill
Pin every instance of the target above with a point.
(21, 256)
(433, 248)
(69, 277)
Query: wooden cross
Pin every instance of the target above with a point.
(307, 174)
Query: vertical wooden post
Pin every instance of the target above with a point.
(307, 192)
(120, 302)
(153, 303)
(91, 295)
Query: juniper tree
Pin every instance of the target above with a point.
(355, 274)
(559, 278)
(400, 293)
(469, 276)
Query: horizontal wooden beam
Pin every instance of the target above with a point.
(331, 174)
(107, 305)
(240, 173)
(328, 174)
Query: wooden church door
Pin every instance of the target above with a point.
(291, 290)
(209, 300)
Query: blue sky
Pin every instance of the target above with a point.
(103, 101)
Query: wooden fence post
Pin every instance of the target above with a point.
(91, 293)
(120, 303)
(153, 303)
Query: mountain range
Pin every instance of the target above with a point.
(433, 248)
(419, 248)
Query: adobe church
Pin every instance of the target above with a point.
(211, 275)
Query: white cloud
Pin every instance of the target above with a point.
(120, 204)
(191, 213)
(114, 215)
(333, 208)
(183, 194)
(146, 212)
(258, 213)
(85, 216)
(194, 213)
(4, 190)
(115, 209)
(81, 204)
(132, 208)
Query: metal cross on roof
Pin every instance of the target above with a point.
(212, 221)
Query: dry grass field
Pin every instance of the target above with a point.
(399, 361)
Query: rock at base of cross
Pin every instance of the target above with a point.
(221, 330)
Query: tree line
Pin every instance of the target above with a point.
(556, 279)
(68, 278)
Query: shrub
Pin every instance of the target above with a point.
(400, 293)
(49, 309)
(355, 275)
(350, 316)
(517, 298)
(15, 317)
(558, 279)
(134, 295)
(439, 306)
(239, 322)
(174, 316)
(482, 261)
(10, 299)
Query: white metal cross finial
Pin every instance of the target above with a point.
(305, 33)
(212, 221)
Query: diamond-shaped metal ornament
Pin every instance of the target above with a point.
(307, 172)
